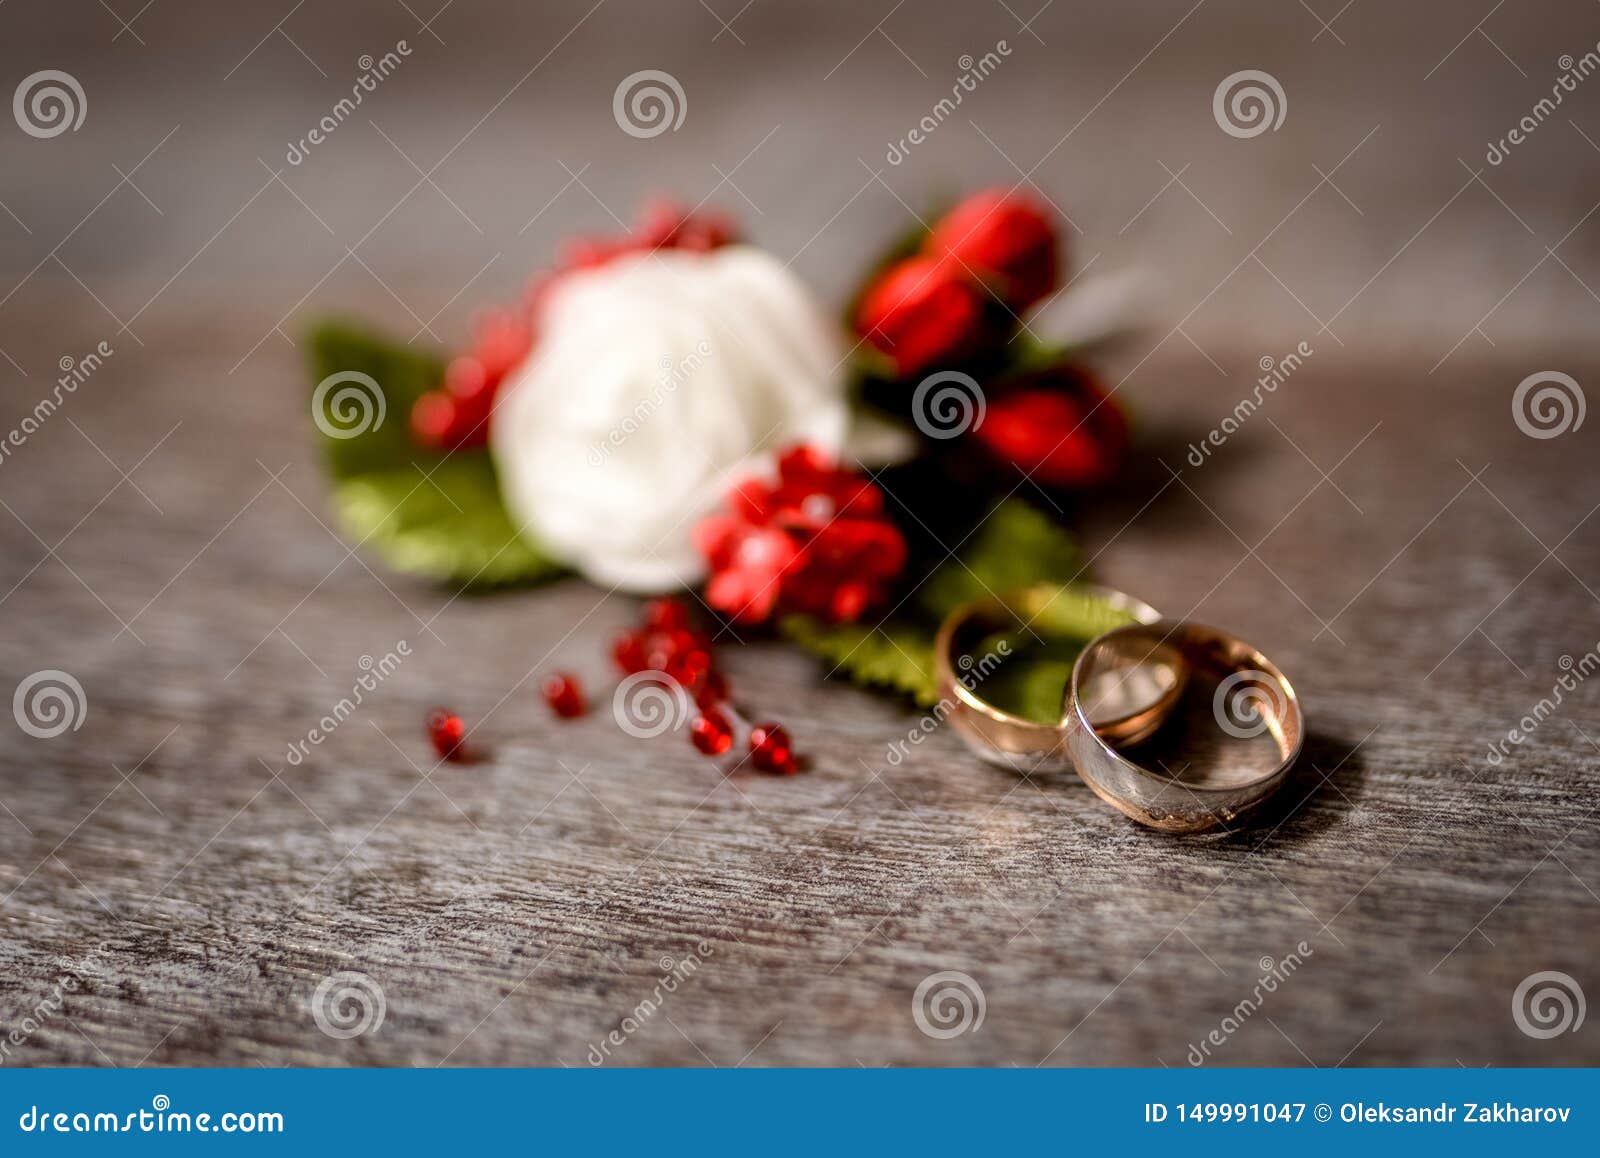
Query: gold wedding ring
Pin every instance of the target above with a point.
(1235, 735)
(1181, 726)
(1124, 711)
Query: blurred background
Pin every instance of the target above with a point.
(495, 138)
(165, 537)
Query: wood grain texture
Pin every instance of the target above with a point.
(1380, 527)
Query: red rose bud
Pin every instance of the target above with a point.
(1060, 429)
(921, 312)
(1003, 237)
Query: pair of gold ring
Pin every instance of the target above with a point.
(1219, 722)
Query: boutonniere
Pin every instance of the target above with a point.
(674, 410)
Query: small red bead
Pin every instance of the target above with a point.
(628, 651)
(711, 688)
(501, 339)
(848, 601)
(689, 667)
(666, 615)
(465, 378)
(771, 750)
(711, 732)
(440, 420)
(660, 647)
(565, 695)
(447, 730)
(433, 418)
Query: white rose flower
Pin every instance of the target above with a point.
(658, 380)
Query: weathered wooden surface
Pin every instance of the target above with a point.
(1421, 596)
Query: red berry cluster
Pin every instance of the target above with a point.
(816, 542)
(457, 413)
(667, 641)
(660, 225)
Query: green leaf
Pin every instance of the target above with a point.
(438, 516)
(402, 375)
(1029, 686)
(1032, 355)
(1073, 613)
(897, 656)
(1016, 546)
(1016, 549)
(449, 526)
